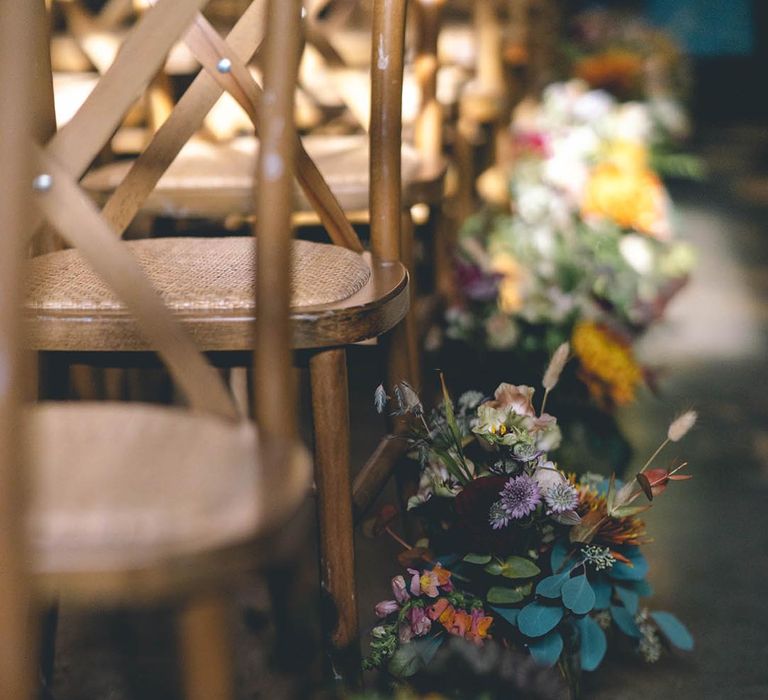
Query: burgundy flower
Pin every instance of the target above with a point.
(473, 506)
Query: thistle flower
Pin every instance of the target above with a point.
(681, 425)
(556, 365)
(520, 496)
(561, 497)
(498, 516)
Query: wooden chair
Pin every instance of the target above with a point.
(340, 295)
(130, 501)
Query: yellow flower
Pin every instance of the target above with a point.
(510, 286)
(608, 366)
(622, 188)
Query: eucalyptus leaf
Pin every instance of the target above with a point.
(504, 596)
(578, 595)
(551, 586)
(472, 558)
(508, 614)
(593, 644)
(629, 598)
(559, 555)
(536, 619)
(636, 571)
(412, 657)
(676, 632)
(602, 589)
(494, 568)
(546, 650)
(624, 621)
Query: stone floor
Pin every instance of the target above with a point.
(710, 562)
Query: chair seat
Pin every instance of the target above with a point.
(131, 499)
(214, 180)
(338, 296)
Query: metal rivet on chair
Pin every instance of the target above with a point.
(42, 182)
(224, 65)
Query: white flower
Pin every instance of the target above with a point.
(638, 253)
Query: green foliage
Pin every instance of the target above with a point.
(546, 650)
(536, 618)
(592, 643)
(578, 595)
(412, 657)
(673, 630)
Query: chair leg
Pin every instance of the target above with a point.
(206, 649)
(330, 412)
(408, 257)
(48, 631)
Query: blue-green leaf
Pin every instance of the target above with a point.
(551, 586)
(629, 598)
(602, 589)
(642, 588)
(578, 595)
(412, 657)
(624, 621)
(637, 571)
(558, 556)
(509, 614)
(504, 596)
(547, 649)
(592, 645)
(472, 558)
(675, 631)
(448, 559)
(536, 619)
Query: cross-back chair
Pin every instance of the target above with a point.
(340, 295)
(130, 501)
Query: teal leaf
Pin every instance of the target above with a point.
(578, 595)
(412, 657)
(675, 631)
(551, 586)
(642, 588)
(536, 619)
(504, 596)
(519, 567)
(637, 571)
(477, 558)
(547, 649)
(592, 645)
(508, 614)
(624, 621)
(447, 559)
(629, 598)
(558, 556)
(602, 589)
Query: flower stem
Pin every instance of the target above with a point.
(544, 402)
(654, 455)
(397, 538)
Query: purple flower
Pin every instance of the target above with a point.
(520, 496)
(399, 589)
(561, 497)
(420, 623)
(386, 607)
(477, 284)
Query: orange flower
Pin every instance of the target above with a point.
(461, 624)
(447, 616)
(631, 196)
(607, 364)
(593, 510)
(617, 70)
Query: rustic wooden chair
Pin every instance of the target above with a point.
(340, 295)
(131, 501)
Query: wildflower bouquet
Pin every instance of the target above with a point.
(516, 549)
(585, 250)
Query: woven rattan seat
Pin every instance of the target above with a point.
(208, 282)
(215, 179)
(132, 495)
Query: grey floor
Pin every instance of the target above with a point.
(710, 559)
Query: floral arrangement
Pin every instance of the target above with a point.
(633, 60)
(516, 549)
(579, 244)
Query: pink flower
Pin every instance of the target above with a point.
(515, 399)
(386, 607)
(460, 624)
(399, 589)
(415, 586)
(429, 583)
(420, 623)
